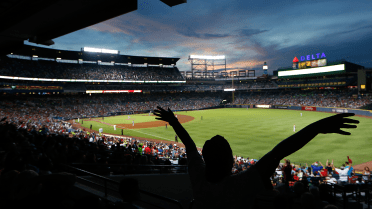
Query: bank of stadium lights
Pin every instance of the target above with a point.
(58, 58)
(35, 56)
(206, 57)
(265, 66)
(98, 50)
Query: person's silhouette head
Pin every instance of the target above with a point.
(218, 158)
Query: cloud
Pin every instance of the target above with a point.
(188, 32)
(245, 31)
(250, 32)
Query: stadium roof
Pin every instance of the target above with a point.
(30, 51)
(40, 21)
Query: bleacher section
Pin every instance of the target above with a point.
(328, 82)
(56, 70)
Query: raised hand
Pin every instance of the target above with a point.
(334, 124)
(164, 115)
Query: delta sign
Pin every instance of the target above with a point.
(311, 57)
(313, 60)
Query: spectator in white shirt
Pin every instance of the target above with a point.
(343, 174)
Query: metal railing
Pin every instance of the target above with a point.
(132, 169)
(107, 180)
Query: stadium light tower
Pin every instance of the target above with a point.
(265, 69)
(233, 88)
(202, 62)
(99, 50)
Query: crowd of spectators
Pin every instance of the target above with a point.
(85, 105)
(297, 184)
(77, 106)
(344, 99)
(50, 69)
(31, 156)
(34, 145)
(240, 86)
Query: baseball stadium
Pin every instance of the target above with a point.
(96, 127)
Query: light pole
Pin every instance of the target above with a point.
(233, 88)
(265, 69)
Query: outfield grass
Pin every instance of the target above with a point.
(123, 119)
(254, 132)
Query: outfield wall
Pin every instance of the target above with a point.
(262, 106)
(309, 108)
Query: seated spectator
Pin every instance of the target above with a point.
(366, 174)
(323, 172)
(330, 180)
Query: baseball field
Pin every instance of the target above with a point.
(251, 133)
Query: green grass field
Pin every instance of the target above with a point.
(254, 132)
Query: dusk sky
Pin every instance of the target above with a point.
(247, 32)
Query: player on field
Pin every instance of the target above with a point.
(294, 128)
(213, 184)
(133, 123)
(301, 114)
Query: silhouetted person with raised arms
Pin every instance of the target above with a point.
(212, 183)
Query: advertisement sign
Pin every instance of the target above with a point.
(281, 107)
(314, 63)
(302, 65)
(313, 60)
(307, 108)
(263, 106)
(340, 110)
(313, 57)
(322, 62)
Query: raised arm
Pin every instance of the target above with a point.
(332, 124)
(169, 117)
